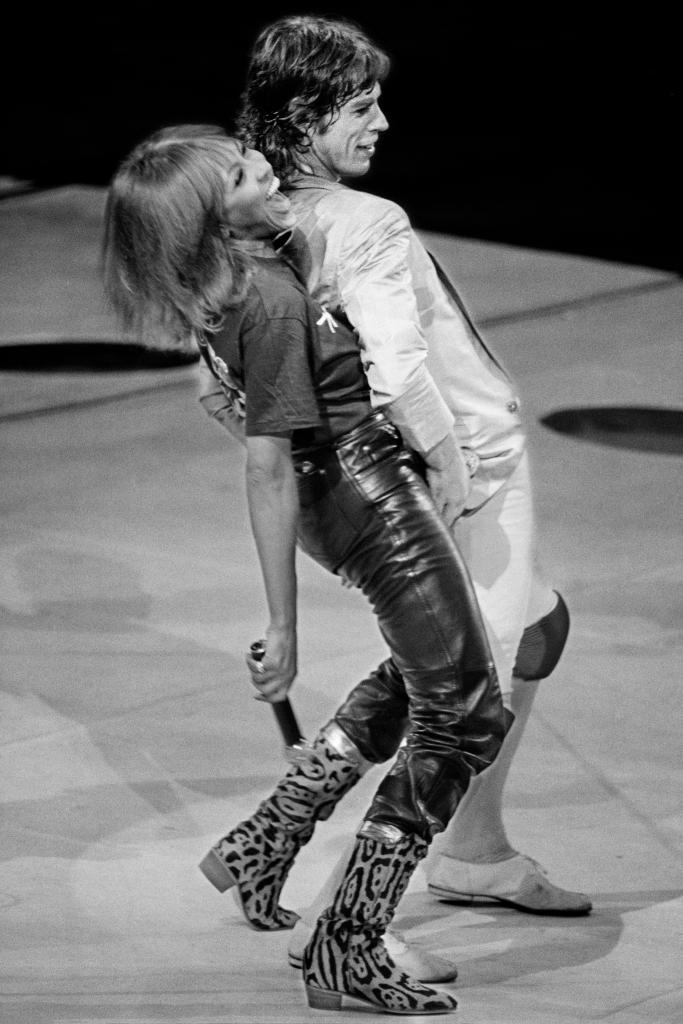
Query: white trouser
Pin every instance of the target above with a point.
(497, 543)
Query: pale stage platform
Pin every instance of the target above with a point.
(130, 589)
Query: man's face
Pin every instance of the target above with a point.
(345, 147)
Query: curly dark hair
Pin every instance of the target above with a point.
(302, 69)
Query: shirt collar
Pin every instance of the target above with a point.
(256, 246)
(302, 181)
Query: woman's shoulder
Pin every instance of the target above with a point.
(274, 293)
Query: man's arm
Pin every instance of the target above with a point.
(376, 288)
(274, 510)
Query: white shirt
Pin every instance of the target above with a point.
(415, 334)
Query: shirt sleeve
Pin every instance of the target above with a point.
(377, 292)
(278, 382)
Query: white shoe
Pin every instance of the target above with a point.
(418, 963)
(518, 882)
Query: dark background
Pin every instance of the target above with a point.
(555, 132)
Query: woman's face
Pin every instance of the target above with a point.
(254, 206)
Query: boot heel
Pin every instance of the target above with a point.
(213, 868)
(322, 999)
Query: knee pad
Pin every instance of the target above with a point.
(542, 643)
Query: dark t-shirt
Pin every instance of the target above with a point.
(297, 368)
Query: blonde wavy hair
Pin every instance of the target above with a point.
(167, 257)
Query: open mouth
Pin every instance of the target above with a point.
(273, 187)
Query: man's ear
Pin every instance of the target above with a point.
(302, 166)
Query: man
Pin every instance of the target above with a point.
(311, 105)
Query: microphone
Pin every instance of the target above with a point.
(284, 713)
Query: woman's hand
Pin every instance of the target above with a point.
(274, 510)
(274, 674)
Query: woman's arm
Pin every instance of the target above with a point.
(274, 511)
(217, 405)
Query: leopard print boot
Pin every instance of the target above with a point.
(346, 956)
(254, 858)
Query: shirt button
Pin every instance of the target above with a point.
(512, 406)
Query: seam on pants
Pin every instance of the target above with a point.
(426, 604)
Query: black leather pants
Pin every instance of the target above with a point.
(366, 514)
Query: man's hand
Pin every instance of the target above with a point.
(422, 416)
(448, 478)
(449, 488)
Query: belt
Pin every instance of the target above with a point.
(367, 443)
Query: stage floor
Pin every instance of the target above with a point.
(129, 590)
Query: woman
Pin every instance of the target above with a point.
(189, 238)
